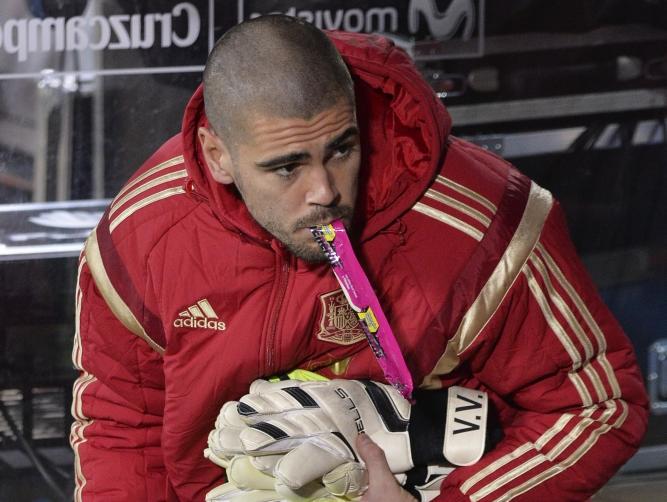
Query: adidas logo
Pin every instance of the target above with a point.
(200, 315)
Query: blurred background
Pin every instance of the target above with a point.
(572, 92)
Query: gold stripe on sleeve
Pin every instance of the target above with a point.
(596, 381)
(611, 376)
(494, 466)
(518, 452)
(468, 193)
(77, 390)
(553, 323)
(143, 203)
(459, 206)
(549, 456)
(546, 436)
(490, 297)
(590, 321)
(563, 308)
(76, 346)
(111, 296)
(568, 462)
(77, 429)
(450, 220)
(77, 438)
(163, 165)
(578, 383)
(566, 342)
(146, 186)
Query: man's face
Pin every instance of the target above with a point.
(294, 173)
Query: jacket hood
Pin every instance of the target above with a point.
(403, 131)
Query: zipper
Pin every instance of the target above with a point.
(283, 279)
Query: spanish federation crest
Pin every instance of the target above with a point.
(339, 323)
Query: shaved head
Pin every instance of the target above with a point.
(273, 66)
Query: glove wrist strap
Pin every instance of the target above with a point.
(450, 426)
(427, 426)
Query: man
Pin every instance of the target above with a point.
(202, 276)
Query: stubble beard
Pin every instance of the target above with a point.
(309, 251)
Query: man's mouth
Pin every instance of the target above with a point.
(325, 217)
(321, 223)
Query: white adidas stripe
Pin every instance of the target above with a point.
(163, 165)
(165, 178)
(81, 422)
(538, 457)
(459, 206)
(574, 327)
(586, 315)
(169, 192)
(449, 220)
(77, 437)
(569, 461)
(571, 308)
(142, 184)
(546, 436)
(471, 194)
(76, 346)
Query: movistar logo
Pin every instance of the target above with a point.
(443, 24)
(200, 315)
(457, 17)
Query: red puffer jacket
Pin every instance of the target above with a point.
(183, 300)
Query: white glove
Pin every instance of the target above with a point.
(250, 479)
(314, 424)
(247, 484)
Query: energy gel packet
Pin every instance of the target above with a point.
(359, 293)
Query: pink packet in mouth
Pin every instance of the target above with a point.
(362, 298)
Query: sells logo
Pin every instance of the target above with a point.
(457, 18)
(339, 323)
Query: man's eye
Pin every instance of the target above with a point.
(342, 151)
(286, 171)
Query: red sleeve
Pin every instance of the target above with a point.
(565, 376)
(117, 406)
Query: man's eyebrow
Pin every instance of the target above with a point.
(289, 158)
(294, 157)
(343, 137)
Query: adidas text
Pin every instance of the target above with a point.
(191, 322)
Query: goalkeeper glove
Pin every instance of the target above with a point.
(314, 424)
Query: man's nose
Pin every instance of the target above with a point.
(322, 190)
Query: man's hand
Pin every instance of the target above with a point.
(382, 485)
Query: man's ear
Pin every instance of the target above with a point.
(217, 156)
